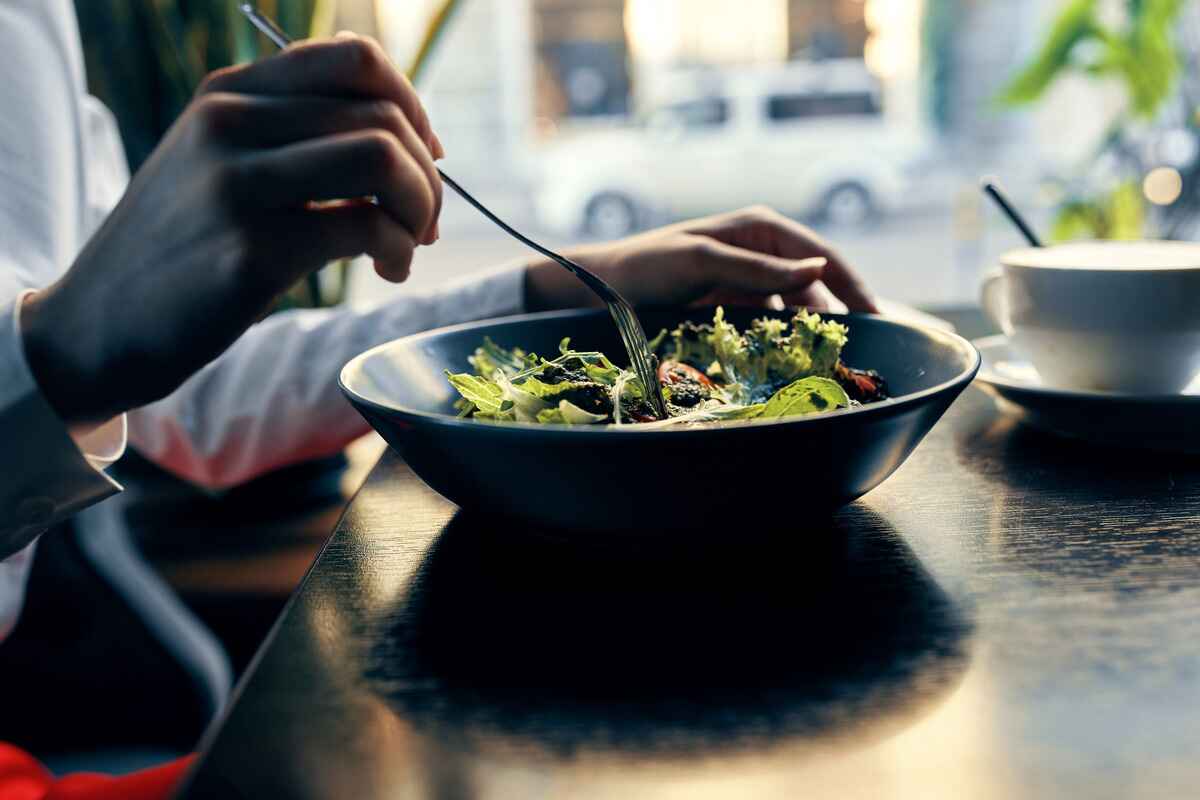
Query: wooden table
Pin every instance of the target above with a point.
(1010, 615)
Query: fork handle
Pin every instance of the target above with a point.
(574, 268)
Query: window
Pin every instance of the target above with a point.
(785, 107)
(711, 112)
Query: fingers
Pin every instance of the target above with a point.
(346, 66)
(266, 121)
(725, 266)
(847, 286)
(762, 228)
(815, 298)
(347, 165)
(726, 297)
(309, 239)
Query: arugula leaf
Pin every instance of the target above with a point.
(491, 358)
(806, 396)
(658, 340)
(603, 371)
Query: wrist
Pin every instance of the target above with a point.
(549, 287)
(53, 353)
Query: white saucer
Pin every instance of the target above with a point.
(1158, 422)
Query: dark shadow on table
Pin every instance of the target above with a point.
(807, 634)
(1144, 501)
(1005, 448)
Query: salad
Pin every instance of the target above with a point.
(709, 373)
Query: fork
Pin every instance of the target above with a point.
(637, 347)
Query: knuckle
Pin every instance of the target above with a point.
(363, 54)
(701, 246)
(216, 80)
(207, 107)
(218, 112)
(760, 211)
(387, 115)
(382, 151)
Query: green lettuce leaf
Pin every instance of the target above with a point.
(567, 413)
(774, 352)
(730, 348)
(753, 411)
(824, 340)
(811, 395)
(693, 345)
(487, 397)
(776, 368)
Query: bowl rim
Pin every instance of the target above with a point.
(886, 407)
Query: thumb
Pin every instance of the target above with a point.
(727, 266)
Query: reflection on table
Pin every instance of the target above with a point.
(1010, 615)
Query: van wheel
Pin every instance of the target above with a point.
(848, 204)
(610, 216)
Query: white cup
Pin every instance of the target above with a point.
(1109, 316)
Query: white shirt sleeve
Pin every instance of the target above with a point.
(45, 205)
(273, 399)
(47, 474)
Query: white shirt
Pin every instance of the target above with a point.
(271, 400)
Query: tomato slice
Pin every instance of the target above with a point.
(670, 372)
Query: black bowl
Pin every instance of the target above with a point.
(609, 478)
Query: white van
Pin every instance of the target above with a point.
(809, 139)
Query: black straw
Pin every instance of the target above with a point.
(993, 190)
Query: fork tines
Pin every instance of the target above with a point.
(638, 348)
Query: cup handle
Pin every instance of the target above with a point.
(994, 301)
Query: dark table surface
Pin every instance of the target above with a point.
(1009, 615)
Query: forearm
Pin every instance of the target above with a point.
(273, 399)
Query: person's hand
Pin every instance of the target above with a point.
(264, 178)
(755, 256)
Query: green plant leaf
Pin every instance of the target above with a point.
(1076, 23)
(1120, 214)
(1155, 63)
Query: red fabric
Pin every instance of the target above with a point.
(23, 778)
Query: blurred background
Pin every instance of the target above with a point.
(871, 120)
